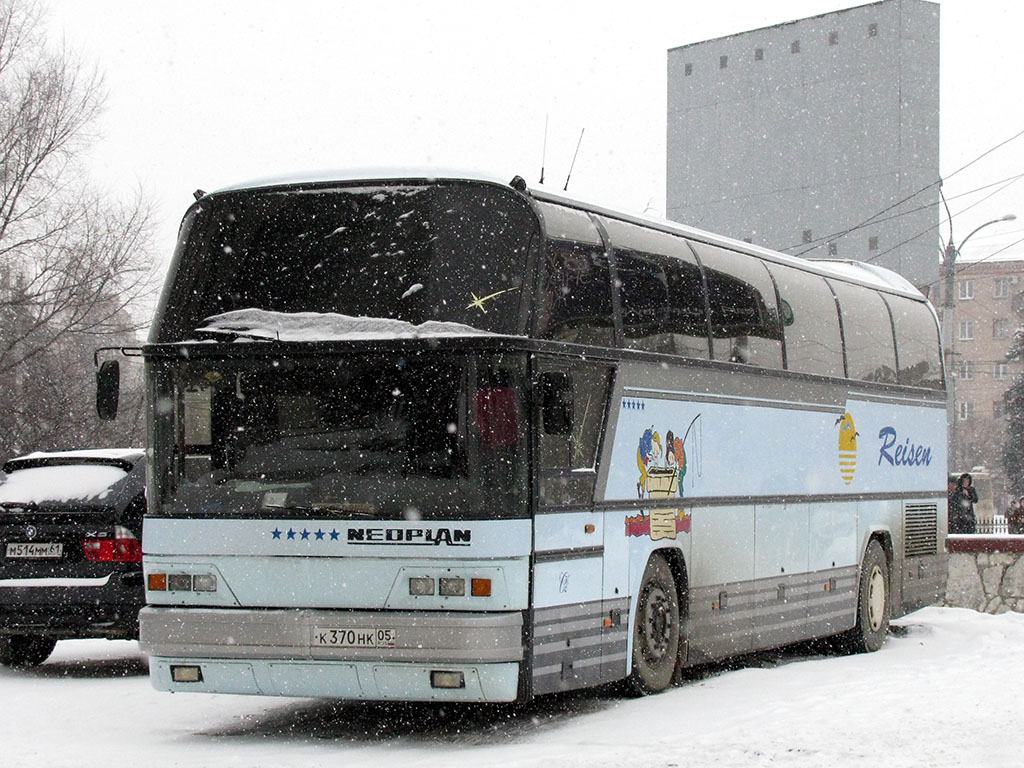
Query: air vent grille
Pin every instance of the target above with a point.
(920, 529)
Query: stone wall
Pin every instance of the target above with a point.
(986, 573)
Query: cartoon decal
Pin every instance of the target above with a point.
(647, 453)
(662, 471)
(662, 481)
(847, 447)
(659, 524)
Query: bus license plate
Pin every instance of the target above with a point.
(35, 549)
(354, 638)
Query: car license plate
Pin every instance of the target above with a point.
(368, 637)
(35, 549)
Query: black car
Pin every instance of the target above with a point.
(71, 546)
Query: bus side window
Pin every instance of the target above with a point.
(660, 291)
(572, 406)
(575, 302)
(810, 322)
(745, 325)
(917, 343)
(867, 333)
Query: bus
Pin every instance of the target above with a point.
(429, 438)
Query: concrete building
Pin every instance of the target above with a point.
(989, 299)
(818, 137)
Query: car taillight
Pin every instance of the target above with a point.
(123, 548)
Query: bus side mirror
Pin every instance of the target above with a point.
(108, 389)
(557, 403)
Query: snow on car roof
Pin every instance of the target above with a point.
(64, 480)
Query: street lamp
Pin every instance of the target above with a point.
(948, 262)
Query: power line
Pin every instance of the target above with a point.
(874, 219)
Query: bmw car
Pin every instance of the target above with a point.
(70, 540)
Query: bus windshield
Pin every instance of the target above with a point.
(369, 435)
(441, 252)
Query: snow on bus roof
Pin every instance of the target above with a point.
(327, 326)
(371, 174)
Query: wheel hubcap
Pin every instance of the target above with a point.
(876, 598)
(657, 621)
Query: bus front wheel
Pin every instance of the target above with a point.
(656, 630)
(873, 602)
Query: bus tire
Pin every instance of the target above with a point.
(656, 629)
(21, 651)
(872, 602)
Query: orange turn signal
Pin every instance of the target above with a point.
(157, 582)
(481, 587)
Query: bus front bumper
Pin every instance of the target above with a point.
(410, 656)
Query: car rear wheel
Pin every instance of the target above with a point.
(25, 650)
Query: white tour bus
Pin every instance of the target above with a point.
(429, 438)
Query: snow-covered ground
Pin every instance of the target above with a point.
(946, 690)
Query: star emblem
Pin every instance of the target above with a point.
(276, 533)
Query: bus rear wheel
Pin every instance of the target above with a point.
(656, 630)
(873, 602)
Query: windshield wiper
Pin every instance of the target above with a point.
(224, 334)
(333, 510)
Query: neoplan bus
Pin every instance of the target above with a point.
(454, 439)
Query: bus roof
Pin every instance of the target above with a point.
(867, 274)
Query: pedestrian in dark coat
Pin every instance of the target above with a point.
(961, 506)
(1015, 517)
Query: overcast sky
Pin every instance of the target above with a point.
(207, 94)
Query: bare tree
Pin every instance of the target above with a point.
(74, 263)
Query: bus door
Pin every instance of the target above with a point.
(570, 632)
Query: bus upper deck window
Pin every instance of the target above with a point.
(497, 416)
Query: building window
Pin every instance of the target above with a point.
(965, 372)
(1000, 329)
(723, 62)
(966, 288)
(758, 54)
(1001, 288)
(966, 330)
(873, 243)
(872, 30)
(687, 70)
(833, 38)
(795, 47)
(833, 249)
(807, 236)
(997, 409)
(966, 410)
(1001, 371)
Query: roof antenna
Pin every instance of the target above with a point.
(573, 165)
(544, 151)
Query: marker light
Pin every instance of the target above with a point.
(179, 582)
(452, 587)
(421, 585)
(186, 674)
(480, 587)
(439, 679)
(157, 582)
(204, 582)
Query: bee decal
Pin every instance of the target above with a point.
(847, 447)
